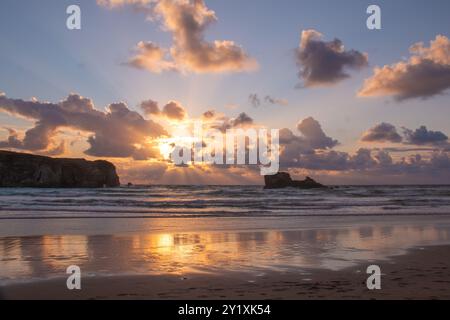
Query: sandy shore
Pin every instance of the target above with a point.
(422, 273)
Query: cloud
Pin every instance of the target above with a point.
(423, 136)
(172, 110)
(119, 3)
(280, 102)
(371, 165)
(313, 133)
(364, 166)
(118, 132)
(241, 120)
(36, 138)
(310, 148)
(151, 57)
(188, 21)
(142, 173)
(256, 101)
(409, 149)
(425, 74)
(57, 150)
(162, 173)
(313, 150)
(325, 63)
(225, 123)
(150, 107)
(209, 114)
(13, 140)
(383, 132)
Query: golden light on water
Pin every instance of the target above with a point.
(184, 252)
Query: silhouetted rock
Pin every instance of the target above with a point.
(27, 170)
(283, 180)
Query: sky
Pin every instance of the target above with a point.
(356, 106)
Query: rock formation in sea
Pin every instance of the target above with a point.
(284, 180)
(27, 170)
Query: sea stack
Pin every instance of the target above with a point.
(284, 180)
(27, 170)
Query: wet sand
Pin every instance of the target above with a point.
(421, 273)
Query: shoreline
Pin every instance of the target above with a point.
(43, 226)
(419, 273)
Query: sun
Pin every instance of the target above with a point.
(165, 148)
(181, 136)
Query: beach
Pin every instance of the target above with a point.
(421, 273)
(127, 252)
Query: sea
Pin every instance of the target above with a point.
(222, 201)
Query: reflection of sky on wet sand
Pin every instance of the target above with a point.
(183, 252)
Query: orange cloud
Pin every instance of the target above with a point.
(425, 74)
(187, 20)
(151, 57)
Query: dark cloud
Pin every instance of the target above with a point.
(374, 165)
(406, 149)
(423, 136)
(425, 74)
(272, 100)
(150, 107)
(13, 140)
(332, 160)
(256, 101)
(313, 133)
(242, 120)
(172, 110)
(440, 160)
(210, 114)
(383, 132)
(305, 153)
(383, 158)
(119, 132)
(325, 63)
(310, 148)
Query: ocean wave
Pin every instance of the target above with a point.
(152, 201)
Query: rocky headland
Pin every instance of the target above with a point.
(27, 170)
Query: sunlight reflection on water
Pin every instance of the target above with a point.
(179, 252)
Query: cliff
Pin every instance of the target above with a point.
(284, 180)
(27, 170)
